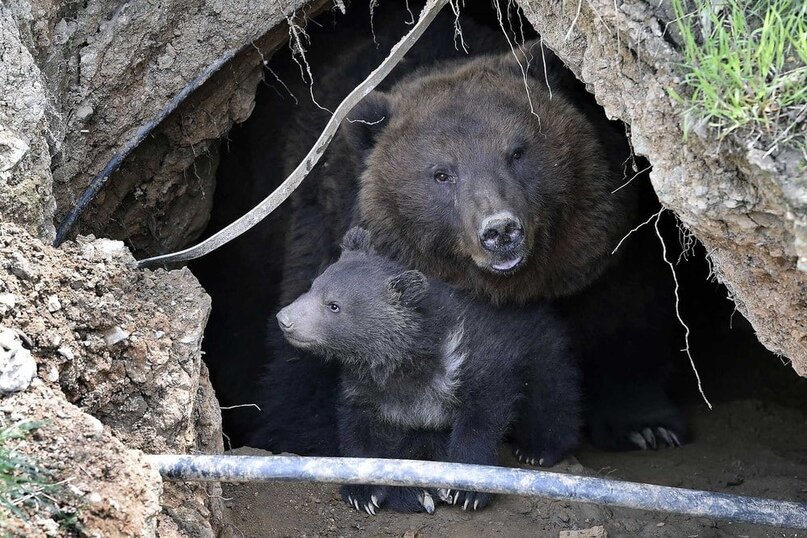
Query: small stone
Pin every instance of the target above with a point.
(94, 498)
(52, 375)
(12, 149)
(105, 249)
(9, 340)
(17, 369)
(83, 112)
(114, 336)
(20, 267)
(96, 427)
(7, 303)
(66, 353)
(53, 304)
(594, 532)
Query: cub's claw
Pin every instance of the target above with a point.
(363, 498)
(468, 500)
(523, 458)
(427, 501)
(445, 495)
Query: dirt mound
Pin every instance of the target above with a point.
(103, 488)
(123, 345)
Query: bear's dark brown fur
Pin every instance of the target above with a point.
(466, 117)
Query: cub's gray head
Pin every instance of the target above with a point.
(363, 309)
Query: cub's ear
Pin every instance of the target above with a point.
(357, 239)
(407, 288)
(365, 122)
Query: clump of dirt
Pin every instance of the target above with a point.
(103, 487)
(123, 345)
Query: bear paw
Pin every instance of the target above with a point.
(541, 458)
(370, 499)
(364, 498)
(468, 500)
(652, 438)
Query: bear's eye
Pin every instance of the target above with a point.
(442, 177)
(333, 307)
(517, 154)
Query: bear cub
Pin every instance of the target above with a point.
(428, 373)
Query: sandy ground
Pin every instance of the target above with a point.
(744, 447)
(754, 442)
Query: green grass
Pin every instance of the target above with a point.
(27, 488)
(745, 66)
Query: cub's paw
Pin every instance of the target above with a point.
(364, 498)
(410, 500)
(370, 499)
(651, 438)
(538, 458)
(468, 500)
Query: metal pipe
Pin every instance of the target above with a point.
(485, 478)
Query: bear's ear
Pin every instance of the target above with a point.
(365, 122)
(407, 288)
(357, 239)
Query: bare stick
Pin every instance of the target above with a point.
(678, 312)
(271, 202)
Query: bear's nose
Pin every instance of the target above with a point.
(284, 320)
(501, 231)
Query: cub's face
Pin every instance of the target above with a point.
(461, 169)
(356, 307)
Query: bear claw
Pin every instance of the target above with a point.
(445, 495)
(529, 461)
(427, 501)
(648, 439)
(469, 500)
(647, 433)
(669, 436)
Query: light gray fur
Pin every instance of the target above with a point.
(431, 406)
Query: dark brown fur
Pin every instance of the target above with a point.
(577, 221)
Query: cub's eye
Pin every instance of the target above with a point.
(333, 307)
(442, 177)
(517, 154)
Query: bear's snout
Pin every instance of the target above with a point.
(501, 232)
(284, 320)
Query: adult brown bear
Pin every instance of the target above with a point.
(502, 179)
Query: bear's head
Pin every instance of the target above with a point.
(362, 310)
(474, 173)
